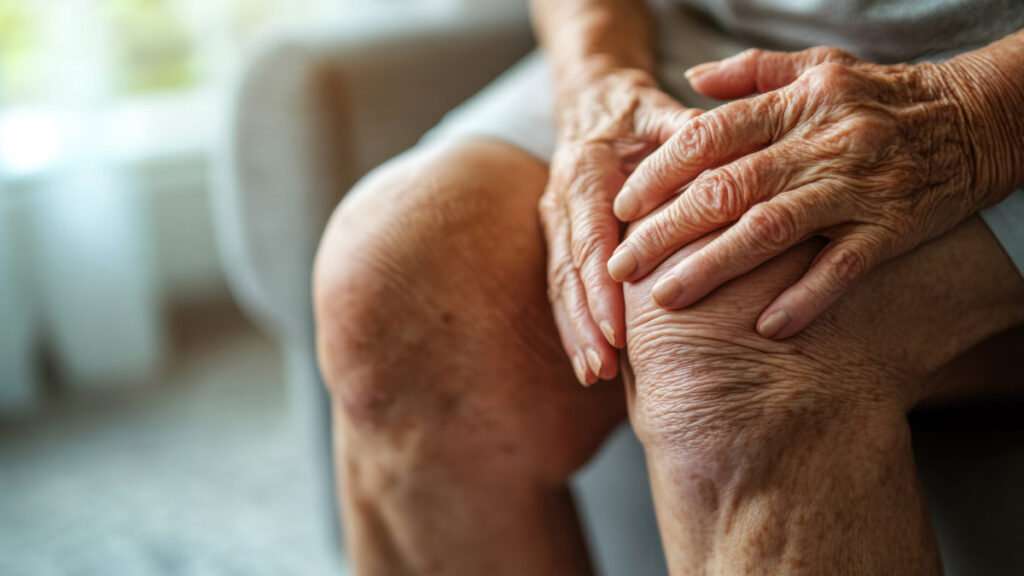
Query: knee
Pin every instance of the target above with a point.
(365, 286)
(400, 283)
(707, 389)
(378, 293)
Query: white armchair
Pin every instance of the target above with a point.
(319, 109)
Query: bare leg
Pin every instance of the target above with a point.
(457, 417)
(794, 457)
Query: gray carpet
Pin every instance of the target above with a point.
(192, 475)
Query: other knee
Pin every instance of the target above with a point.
(708, 390)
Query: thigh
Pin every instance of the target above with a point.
(433, 312)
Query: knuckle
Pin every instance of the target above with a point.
(831, 69)
(751, 53)
(847, 264)
(719, 195)
(829, 54)
(777, 110)
(869, 136)
(828, 78)
(696, 138)
(772, 227)
(860, 138)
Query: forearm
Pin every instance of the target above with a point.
(583, 34)
(588, 42)
(990, 84)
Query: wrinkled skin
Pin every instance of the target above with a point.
(877, 159)
(613, 122)
(787, 457)
(453, 397)
(440, 298)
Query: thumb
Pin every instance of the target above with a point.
(759, 71)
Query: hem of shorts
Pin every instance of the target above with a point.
(432, 137)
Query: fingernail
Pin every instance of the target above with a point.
(594, 360)
(700, 69)
(609, 332)
(581, 369)
(774, 323)
(622, 264)
(667, 291)
(627, 204)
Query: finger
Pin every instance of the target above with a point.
(764, 232)
(706, 141)
(759, 71)
(569, 340)
(594, 232)
(599, 358)
(716, 198)
(839, 265)
(560, 270)
(592, 356)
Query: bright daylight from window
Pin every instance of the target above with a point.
(138, 67)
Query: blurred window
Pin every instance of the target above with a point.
(151, 61)
(153, 51)
(21, 66)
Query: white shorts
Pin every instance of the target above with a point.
(518, 108)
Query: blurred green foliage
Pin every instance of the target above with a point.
(20, 53)
(152, 49)
(149, 46)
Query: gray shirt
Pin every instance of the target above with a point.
(882, 31)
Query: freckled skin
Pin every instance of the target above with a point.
(458, 420)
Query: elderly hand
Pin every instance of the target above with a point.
(609, 120)
(878, 159)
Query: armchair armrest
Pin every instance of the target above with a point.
(319, 109)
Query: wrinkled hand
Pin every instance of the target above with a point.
(876, 158)
(608, 122)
